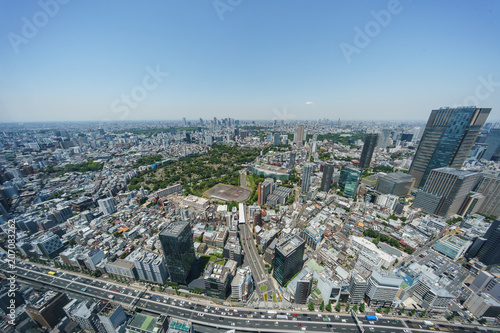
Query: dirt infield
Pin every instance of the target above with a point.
(221, 192)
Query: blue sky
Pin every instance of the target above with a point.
(246, 59)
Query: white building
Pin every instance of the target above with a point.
(107, 206)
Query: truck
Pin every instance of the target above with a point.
(281, 317)
(371, 318)
(481, 329)
(428, 323)
(111, 296)
(51, 273)
(84, 289)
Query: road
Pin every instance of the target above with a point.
(250, 319)
(252, 258)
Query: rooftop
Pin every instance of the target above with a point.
(174, 229)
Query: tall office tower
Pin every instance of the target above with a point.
(357, 288)
(276, 139)
(489, 254)
(299, 135)
(489, 186)
(184, 122)
(447, 140)
(493, 144)
(367, 152)
(349, 180)
(288, 258)
(107, 206)
(178, 249)
(326, 181)
(201, 122)
(383, 286)
(303, 289)
(264, 190)
(47, 311)
(292, 158)
(383, 138)
(85, 314)
(306, 177)
(112, 318)
(445, 191)
(396, 183)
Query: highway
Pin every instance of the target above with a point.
(244, 319)
(252, 258)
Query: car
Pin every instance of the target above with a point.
(116, 289)
(310, 319)
(254, 261)
(372, 329)
(295, 314)
(406, 331)
(299, 324)
(232, 324)
(248, 237)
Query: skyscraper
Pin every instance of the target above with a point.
(288, 258)
(306, 177)
(299, 135)
(445, 190)
(349, 179)
(383, 138)
(177, 245)
(447, 140)
(489, 254)
(367, 152)
(493, 144)
(489, 186)
(326, 181)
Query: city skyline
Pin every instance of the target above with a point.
(358, 61)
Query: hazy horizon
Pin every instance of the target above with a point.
(247, 60)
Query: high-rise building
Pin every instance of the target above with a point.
(85, 314)
(299, 135)
(217, 279)
(306, 177)
(178, 249)
(349, 180)
(445, 191)
(112, 318)
(107, 206)
(276, 139)
(489, 253)
(292, 158)
(303, 289)
(493, 144)
(357, 288)
(264, 190)
(288, 258)
(396, 183)
(48, 245)
(326, 181)
(383, 138)
(489, 186)
(47, 310)
(383, 287)
(367, 152)
(447, 140)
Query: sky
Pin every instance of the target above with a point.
(63, 60)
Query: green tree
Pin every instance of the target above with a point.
(402, 310)
(379, 309)
(311, 306)
(338, 307)
(322, 305)
(329, 307)
(355, 308)
(362, 307)
(387, 310)
(347, 306)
